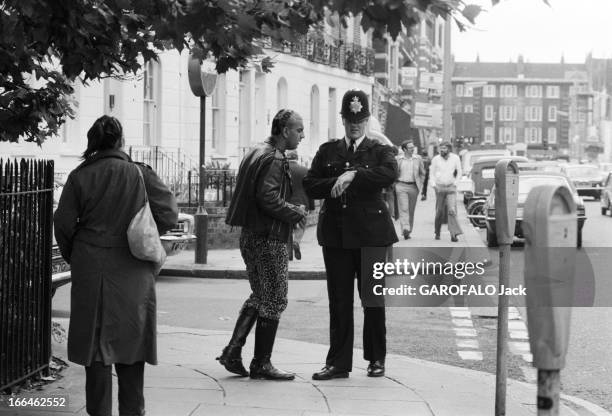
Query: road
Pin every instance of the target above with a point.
(425, 333)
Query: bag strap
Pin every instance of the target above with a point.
(143, 183)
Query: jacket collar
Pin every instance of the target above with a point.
(114, 153)
(343, 151)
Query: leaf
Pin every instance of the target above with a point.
(470, 12)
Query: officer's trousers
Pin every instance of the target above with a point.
(342, 267)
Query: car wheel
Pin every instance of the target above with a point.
(477, 208)
(491, 239)
(603, 210)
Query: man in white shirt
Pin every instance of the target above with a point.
(408, 185)
(444, 170)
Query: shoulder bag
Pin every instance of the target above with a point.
(142, 234)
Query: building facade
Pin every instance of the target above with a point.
(535, 109)
(401, 66)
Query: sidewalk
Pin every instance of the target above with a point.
(189, 382)
(228, 264)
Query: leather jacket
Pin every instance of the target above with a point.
(259, 203)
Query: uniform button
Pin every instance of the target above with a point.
(380, 211)
(366, 166)
(344, 206)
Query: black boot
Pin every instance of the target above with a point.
(231, 357)
(261, 367)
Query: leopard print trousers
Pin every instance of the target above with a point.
(267, 268)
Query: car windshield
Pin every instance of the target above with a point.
(526, 184)
(583, 171)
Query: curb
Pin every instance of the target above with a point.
(236, 274)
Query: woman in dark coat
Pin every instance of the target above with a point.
(113, 307)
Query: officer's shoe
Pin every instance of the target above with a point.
(328, 372)
(437, 236)
(406, 234)
(376, 368)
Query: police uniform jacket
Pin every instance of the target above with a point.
(359, 217)
(113, 304)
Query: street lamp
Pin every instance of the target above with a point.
(202, 80)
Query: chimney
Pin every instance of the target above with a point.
(520, 66)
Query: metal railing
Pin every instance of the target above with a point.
(328, 51)
(171, 165)
(26, 209)
(220, 186)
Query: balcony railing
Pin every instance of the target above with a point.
(332, 52)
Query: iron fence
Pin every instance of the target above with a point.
(171, 165)
(26, 209)
(220, 186)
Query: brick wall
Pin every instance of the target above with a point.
(223, 236)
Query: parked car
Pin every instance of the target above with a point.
(527, 181)
(606, 196)
(482, 176)
(586, 179)
(464, 184)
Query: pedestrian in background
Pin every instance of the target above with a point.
(298, 197)
(112, 303)
(350, 175)
(259, 205)
(408, 186)
(426, 164)
(444, 170)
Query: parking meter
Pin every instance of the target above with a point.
(506, 199)
(550, 228)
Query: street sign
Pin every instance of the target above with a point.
(409, 77)
(427, 115)
(202, 76)
(431, 80)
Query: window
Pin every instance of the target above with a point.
(459, 90)
(469, 108)
(552, 91)
(488, 112)
(534, 91)
(508, 91)
(281, 93)
(552, 135)
(533, 113)
(581, 116)
(552, 113)
(458, 108)
(489, 91)
(533, 134)
(488, 135)
(217, 105)
(506, 134)
(151, 92)
(507, 113)
(468, 91)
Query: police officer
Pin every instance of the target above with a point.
(350, 174)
